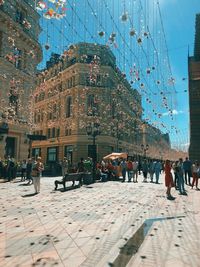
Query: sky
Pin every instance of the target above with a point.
(179, 23)
(169, 26)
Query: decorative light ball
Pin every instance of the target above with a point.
(158, 82)
(148, 71)
(141, 85)
(132, 32)
(47, 46)
(113, 34)
(146, 34)
(101, 33)
(124, 17)
(139, 40)
(153, 68)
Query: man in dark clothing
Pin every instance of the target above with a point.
(187, 165)
(28, 171)
(81, 166)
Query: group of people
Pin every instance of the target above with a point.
(130, 168)
(30, 170)
(183, 172)
(177, 174)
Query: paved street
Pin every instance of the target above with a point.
(103, 224)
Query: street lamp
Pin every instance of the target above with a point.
(93, 129)
(144, 149)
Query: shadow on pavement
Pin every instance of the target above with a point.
(29, 195)
(25, 184)
(68, 188)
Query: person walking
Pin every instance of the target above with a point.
(157, 169)
(195, 170)
(23, 170)
(65, 167)
(168, 179)
(28, 171)
(123, 169)
(145, 170)
(130, 169)
(187, 167)
(180, 172)
(135, 171)
(37, 169)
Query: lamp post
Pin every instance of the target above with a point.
(144, 149)
(93, 129)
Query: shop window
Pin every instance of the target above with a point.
(52, 153)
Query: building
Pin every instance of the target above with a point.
(85, 88)
(194, 96)
(20, 53)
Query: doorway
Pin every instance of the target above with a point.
(10, 148)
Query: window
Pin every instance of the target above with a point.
(68, 131)
(92, 106)
(53, 132)
(18, 58)
(36, 152)
(49, 133)
(52, 153)
(68, 152)
(68, 106)
(73, 81)
(58, 132)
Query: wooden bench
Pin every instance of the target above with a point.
(71, 177)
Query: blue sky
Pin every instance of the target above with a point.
(166, 51)
(179, 22)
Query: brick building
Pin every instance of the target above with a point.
(20, 53)
(194, 96)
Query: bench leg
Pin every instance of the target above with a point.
(56, 185)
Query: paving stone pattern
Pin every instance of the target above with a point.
(93, 226)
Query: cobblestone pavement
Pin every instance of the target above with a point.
(103, 224)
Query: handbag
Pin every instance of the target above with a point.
(34, 172)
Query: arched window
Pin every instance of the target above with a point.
(68, 107)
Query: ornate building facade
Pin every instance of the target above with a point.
(81, 88)
(194, 96)
(20, 53)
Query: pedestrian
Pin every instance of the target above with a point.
(37, 169)
(180, 172)
(168, 179)
(145, 170)
(157, 168)
(174, 167)
(151, 170)
(23, 170)
(195, 170)
(65, 167)
(28, 171)
(123, 169)
(81, 167)
(187, 166)
(130, 169)
(9, 168)
(135, 171)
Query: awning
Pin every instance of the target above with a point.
(116, 156)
